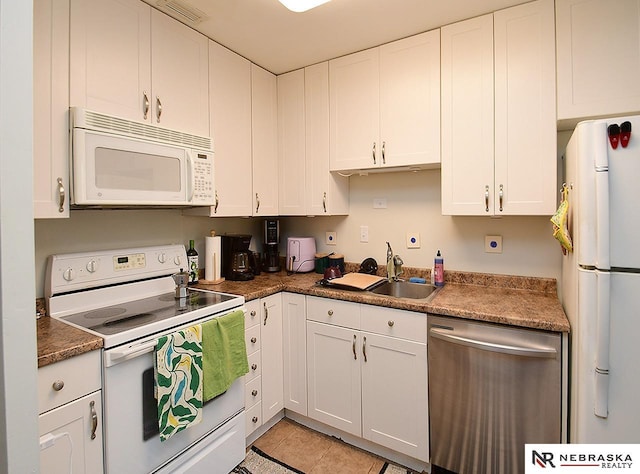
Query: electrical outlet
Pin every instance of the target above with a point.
(413, 240)
(493, 243)
(364, 233)
(379, 203)
(330, 238)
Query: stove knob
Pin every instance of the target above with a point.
(162, 257)
(92, 266)
(177, 260)
(69, 274)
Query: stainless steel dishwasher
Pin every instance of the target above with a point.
(492, 389)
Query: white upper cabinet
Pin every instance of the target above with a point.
(502, 162)
(264, 132)
(50, 109)
(306, 185)
(598, 58)
(230, 76)
(385, 105)
(132, 61)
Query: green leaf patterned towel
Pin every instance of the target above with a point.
(224, 353)
(179, 380)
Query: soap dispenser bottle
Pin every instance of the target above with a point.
(438, 270)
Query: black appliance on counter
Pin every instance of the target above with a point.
(238, 263)
(271, 260)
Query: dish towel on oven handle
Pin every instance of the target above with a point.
(224, 351)
(179, 380)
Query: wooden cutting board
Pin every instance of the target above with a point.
(359, 281)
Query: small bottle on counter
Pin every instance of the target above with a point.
(438, 270)
(192, 258)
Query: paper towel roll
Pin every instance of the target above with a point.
(212, 256)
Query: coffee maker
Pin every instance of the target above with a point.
(271, 260)
(236, 257)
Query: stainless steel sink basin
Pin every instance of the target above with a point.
(404, 289)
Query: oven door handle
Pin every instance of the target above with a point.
(117, 356)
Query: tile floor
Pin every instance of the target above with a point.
(316, 453)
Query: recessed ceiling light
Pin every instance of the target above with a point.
(299, 6)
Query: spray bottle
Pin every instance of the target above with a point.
(438, 270)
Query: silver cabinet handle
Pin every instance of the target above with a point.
(355, 356)
(61, 195)
(444, 335)
(58, 385)
(501, 194)
(384, 160)
(94, 419)
(145, 105)
(486, 198)
(254, 340)
(158, 108)
(266, 313)
(254, 392)
(330, 312)
(254, 366)
(324, 202)
(374, 153)
(253, 313)
(364, 348)
(254, 419)
(215, 206)
(257, 203)
(391, 323)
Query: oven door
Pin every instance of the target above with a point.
(132, 443)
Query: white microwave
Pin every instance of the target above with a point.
(117, 162)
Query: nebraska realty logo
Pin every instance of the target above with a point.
(578, 458)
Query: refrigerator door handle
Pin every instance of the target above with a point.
(603, 318)
(603, 219)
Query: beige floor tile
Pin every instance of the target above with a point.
(344, 459)
(269, 441)
(302, 449)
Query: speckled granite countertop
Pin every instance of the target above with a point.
(517, 301)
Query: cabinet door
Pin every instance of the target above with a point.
(110, 65)
(291, 143)
(410, 100)
(525, 110)
(355, 111)
(230, 107)
(50, 109)
(598, 58)
(467, 117)
(394, 394)
(333, 374)
(264, 132)
(74, 450)
(180, 75)
(272, 371)
(326, 193)
(295, 352)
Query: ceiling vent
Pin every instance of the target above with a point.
(182, 10)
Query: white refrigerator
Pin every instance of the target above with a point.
(601, 283)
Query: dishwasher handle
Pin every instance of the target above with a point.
(445, 335)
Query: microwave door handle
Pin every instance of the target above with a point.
(190, 177)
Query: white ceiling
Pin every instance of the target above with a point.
(268, 34)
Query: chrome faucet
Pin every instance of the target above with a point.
(394, 265)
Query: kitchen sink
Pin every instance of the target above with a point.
(404, 289)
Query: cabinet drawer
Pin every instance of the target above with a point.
(68, 380)
(339, 313)
(253, 418)
(252, 316)
(253, 392)
(394, 322)
(255, 367)
(252, 339)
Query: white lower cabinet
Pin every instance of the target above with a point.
(367, 373)
(70, 421)
(294, 352)
(264, 382)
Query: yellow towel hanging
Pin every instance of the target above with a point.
(560, 222)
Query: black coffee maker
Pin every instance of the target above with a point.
(271, 260)
(237, 260)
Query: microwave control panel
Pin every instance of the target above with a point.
(203, 178)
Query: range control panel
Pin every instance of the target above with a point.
(78, 271)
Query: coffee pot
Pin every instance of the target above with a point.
(181, 280)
